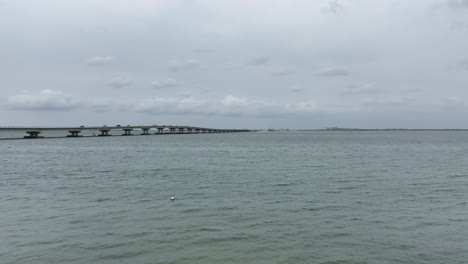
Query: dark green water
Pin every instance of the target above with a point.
(278, 197)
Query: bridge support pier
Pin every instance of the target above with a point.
(160, 131)
(104, 133)
(197, 131)
(127, 132)
(181, 130)
(189, 130)
(172, 130)
(145, 131)
(74, 133)
(33, 134)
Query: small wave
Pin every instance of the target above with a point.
(70, 174)
(233, 238)
(103, 199)
(331, 207)
(207, 229)
(43, 242)
(85, 177)
(335, 235)
(103, 171)
(455, 176)
(443, 190)
(333, 191)
(284, 184)
(12, 198)
(228, 208)
(77, 221)
(342, 262)
(314, 166)
(137, 235)
(353, 187)
(191, 210)
(101, 246)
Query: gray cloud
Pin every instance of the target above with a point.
(285, 71)
(45, 100)
(333, 6)
(457, 3)
(204, 50)
(333, 72)
(463, 64)
(179, 66)
(227, 106)
(120, 82)
(102, 104)
(361, 89)
(297, 89)
(409, 103)
(173, 105)
(459, 26)
(186, 94)
(259, 61)
(99, 60)
(167, 83)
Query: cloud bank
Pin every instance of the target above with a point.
(227, 106)
(181, 66)
(99, 60)
(283, 71)
(329, 72)
(162, 84)
(259, 61)
(458, 3)
(45, 100)
(120, 82)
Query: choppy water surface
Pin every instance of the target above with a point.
(278, 197)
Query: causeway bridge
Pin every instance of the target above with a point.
(105, 131)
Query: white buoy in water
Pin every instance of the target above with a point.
(172, 198)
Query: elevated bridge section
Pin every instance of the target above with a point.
(35, 132)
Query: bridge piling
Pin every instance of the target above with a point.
(104, 133)
(33, 134)
(74, 133)
(127, 132)
(145, 131)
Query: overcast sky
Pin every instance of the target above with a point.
(239, 64)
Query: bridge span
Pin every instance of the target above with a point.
(103, 131)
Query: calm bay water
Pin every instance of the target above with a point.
(278, 197)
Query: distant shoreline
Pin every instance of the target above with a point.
(386, 129)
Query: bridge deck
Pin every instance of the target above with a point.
(118, 127)
(34, 132)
